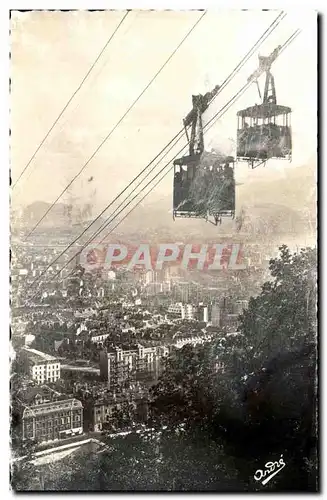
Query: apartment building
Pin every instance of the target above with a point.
(183, 311)
(54, 420)
(126, 364)
(40, 366)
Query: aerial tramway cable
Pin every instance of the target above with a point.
(70, 100)
(279, 18)
(117, 124)
(175, 140)
(210, 123)
(268, 31)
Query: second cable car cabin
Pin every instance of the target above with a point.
(264, 130)
(204, 183)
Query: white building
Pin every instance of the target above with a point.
(176, 309)
(149, 277)
(216, 315)
(99, 338)
(187, 311)
(184, 311)
(29, 339)
(82, 328)
(42, 367)
(196, 339)
(111, 275)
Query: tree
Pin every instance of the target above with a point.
(283, 316)
(264, 396)
(221, 410)
(148, 461)
(181, 393)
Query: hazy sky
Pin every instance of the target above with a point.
(52, 51)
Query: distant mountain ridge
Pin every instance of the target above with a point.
(285, 205)
(61, 214)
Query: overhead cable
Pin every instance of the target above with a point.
(115, 127)
(173, 142)
(70, 100)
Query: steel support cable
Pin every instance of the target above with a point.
(70, 100)
(168, 164)
(177, 137)
(103, 211)
(259, 42)
(272, 26)
(117, 124)
(72, 113)
(215, 118)
(210, 123)
(268, 31)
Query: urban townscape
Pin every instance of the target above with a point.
(178, 351)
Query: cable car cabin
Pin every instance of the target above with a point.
(204, 187)
(264, 132)
(204, 184)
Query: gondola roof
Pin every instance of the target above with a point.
(264, 111)
(206, 159)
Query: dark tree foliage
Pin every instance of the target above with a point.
(263, 401)
(221, 410)
(283, 316)
(152, 461)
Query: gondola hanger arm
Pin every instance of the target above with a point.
(200, 100)
(265, 64)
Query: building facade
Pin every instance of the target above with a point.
(126, 364)
(117, 365)
(118, 411)
(216, 316)
(54, 420)
(99, 338)
(183, 311)
(154, 288)
(40, 366)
